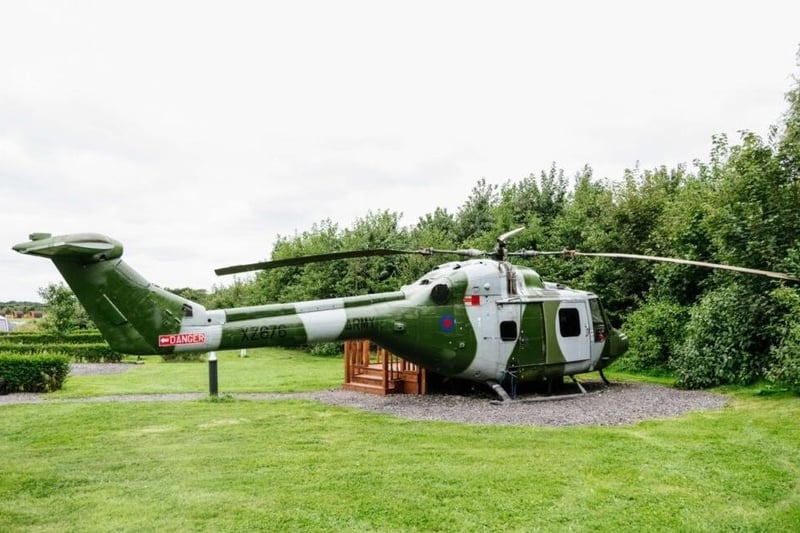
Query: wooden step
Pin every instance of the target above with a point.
(370, 389)
(367, 379)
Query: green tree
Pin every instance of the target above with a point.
(373, 274)
(196, 295)
(684, 231)
(474, 220)
(63, 313)
(237, 294)
(788, 148)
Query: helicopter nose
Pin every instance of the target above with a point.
(623, 343)
(618, 344)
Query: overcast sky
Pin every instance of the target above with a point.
(195, 132)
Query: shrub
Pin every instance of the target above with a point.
(33, 373)
(82, 337)
(727, 339)
(182, 357)
(655, 330)
(327, 348)
(785, 367)
(88, 353)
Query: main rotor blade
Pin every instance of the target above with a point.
(505, 236)
(778, 275)
(296, 261)
(333, 256)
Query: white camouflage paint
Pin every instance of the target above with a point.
(492, 353)
(323, 320)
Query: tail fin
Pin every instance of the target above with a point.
(130, 312)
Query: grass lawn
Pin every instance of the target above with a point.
(264, 370)
(298, 465)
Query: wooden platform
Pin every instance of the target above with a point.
(370, 368)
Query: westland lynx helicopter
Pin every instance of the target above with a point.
(480, 319)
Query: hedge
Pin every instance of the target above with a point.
(80, 353)
(37, 373)
(27, 337)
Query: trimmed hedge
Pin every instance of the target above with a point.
(80, 337)
(80, 353)
(37, 373)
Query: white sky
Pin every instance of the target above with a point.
(195, 132)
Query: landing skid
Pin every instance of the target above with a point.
(505, 399)
(499, 390)
(578, 383)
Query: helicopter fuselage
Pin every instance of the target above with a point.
(478, 319)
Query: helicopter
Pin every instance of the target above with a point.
(482, 319)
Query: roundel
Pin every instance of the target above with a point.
(440, 294)
(448, 323)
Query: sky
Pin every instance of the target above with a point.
(196, 132)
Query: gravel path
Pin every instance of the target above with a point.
(618, 404)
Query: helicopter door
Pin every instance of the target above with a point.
(572, 331)
(530, 347)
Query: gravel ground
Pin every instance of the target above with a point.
(95, 369)
(618, 404)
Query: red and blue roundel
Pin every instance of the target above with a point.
(448, 323)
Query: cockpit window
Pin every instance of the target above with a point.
(598, 320)
(597, 313)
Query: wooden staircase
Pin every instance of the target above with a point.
(379, 371)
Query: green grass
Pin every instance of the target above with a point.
(299, 466)
(264, 370)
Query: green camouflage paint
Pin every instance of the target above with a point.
(478, 319)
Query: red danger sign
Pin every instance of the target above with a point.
(177, 339)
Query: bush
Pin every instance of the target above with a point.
(785, 368)
(86, 353)
(656, 331)
(727, 339)
(327, 348)
(182, 357)
(33, 373)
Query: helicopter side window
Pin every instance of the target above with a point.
(188, 312)
(569, 322)
(508, 330)
(598, 323)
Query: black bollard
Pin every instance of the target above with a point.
(213, 387)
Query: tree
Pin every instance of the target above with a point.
(474, 219)
(196, 295)
(63, 313)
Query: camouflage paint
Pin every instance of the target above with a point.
(479, 319)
